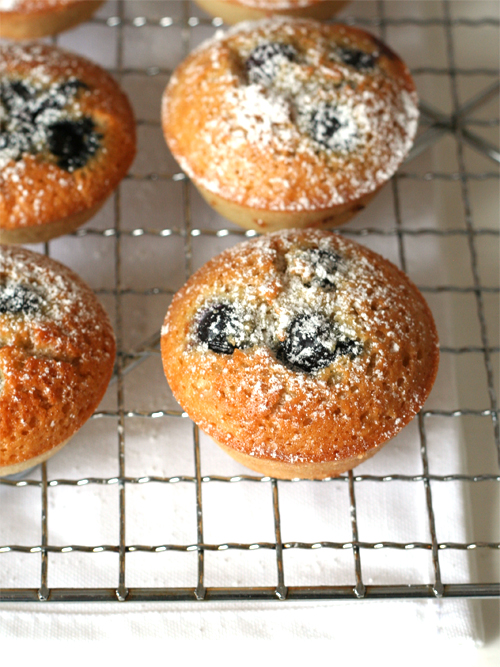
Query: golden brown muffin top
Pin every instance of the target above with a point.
(68, 134)
(300, 346)
(57, 352)
(290, 115)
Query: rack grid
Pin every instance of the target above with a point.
(466, 130)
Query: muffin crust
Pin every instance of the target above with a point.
(234, 11)
(31, 19)
(290, 117)
(68, 139)
(301, 353)
(56, 356)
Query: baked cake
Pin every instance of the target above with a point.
(300, 352)
(56, 357)
(31, 19)
(67, 138)
(290, 123)
(233, 11)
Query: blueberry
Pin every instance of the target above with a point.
(348, 347)
(309, 344)
(332, 127)
(58, 98)
(360, 60)
(71, 87)
(312, 343)
(324, 124)
(19, 299)
(325, 264)
(262, 63)
(17, 98)
(220, 329)
(13, 93)
(18, 90)
(73, 142)
(25, 128)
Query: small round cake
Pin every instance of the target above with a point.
(56, 357)
(300, 352)
(234, 11)
(67, 138)
(31, 19)
(288, 123)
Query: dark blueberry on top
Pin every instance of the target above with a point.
(17, 299)
(348, 347)
(24, 102)
(309, 344)
(73, 142)
(26, 128)
(325, 264)
(324, 124)
(72, 87)
(221, 329)
(360, 60)
(312, 343)
(59, 97)
(262, 63)
(17, 89)
(17, 98)
(14, 95)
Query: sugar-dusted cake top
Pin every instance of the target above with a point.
(289, 115)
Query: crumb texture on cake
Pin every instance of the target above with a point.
(68, 135)
(300, 347)
(57, 353)
(290, 115)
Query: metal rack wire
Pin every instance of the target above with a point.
(463, 128)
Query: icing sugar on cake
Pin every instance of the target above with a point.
(57, 352)
(67, 137)
(300, 347)
(286, 115)
(45, 120)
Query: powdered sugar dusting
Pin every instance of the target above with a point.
(59, 298)
(363, 394)
(27, 119)
(67, 136)
(17, 187)
(311, 131)
(56, 354)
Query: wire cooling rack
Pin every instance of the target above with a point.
(458, 113)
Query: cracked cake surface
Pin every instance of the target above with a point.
(299, 348)
(57, 353)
